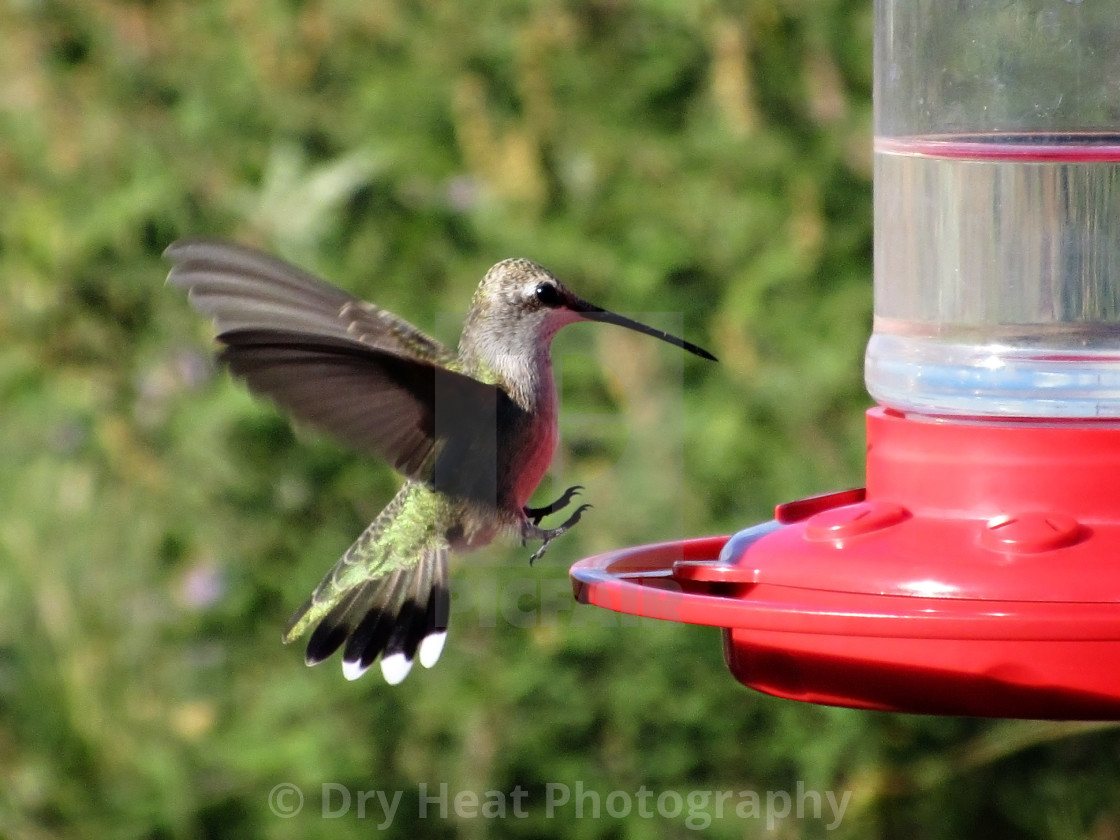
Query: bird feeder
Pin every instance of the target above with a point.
(978, 572)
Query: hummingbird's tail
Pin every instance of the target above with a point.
(398, 613)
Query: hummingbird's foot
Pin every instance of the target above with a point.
(532, 532)
(539, 513)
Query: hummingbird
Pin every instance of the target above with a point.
(473, 432)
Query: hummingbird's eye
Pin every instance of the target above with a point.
(548, 295)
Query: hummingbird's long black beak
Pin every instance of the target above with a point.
(596, 313)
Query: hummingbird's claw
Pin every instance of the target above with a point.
(539, 553)
(549, 535)
(539, 513)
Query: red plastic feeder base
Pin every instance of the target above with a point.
(976, 575)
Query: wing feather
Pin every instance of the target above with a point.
(243, 289)
(429, 423)
(347, 368)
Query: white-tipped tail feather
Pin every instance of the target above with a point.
(353, 668)
(431, 647)
(395, 668)
(397, 616)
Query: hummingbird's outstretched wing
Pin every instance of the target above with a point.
(430, 423)
(348, 369)
(243, 289)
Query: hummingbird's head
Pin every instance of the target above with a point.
(520, 306)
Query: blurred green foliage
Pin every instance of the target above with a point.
(703, 164)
